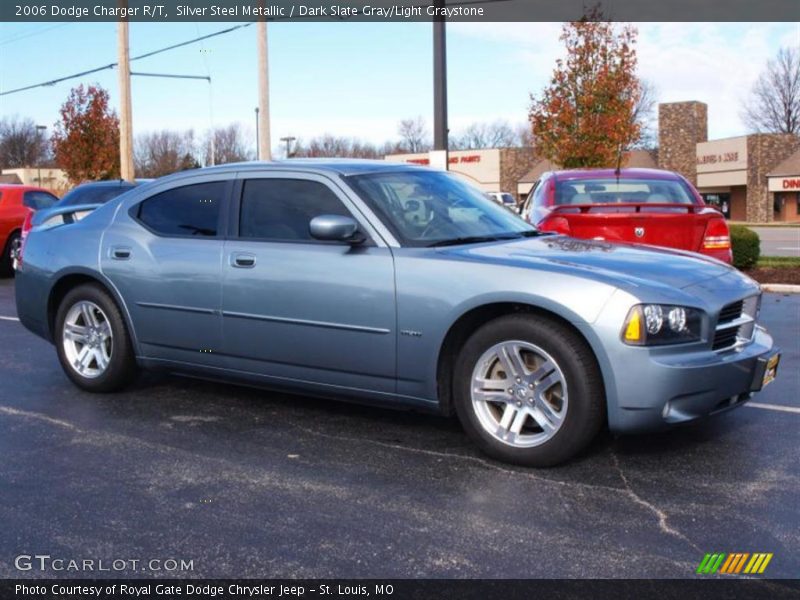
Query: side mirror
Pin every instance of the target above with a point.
(335, 228)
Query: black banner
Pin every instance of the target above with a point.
(397, 11)
(402, 589)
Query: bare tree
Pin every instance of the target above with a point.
(524, 135)
(498, 134)
(229, 145)
(774, 102)
(644, 113)
(162, 152)
(332, 146)
(21, 143)
(413, 135)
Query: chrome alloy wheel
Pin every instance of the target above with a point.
(87, 339)
(519, 394)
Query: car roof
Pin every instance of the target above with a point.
(106, 183)
(341, 166)
(631, 173)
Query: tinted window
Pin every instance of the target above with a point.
(99, 194)
(188, 210)
(621, 191)
(38, 200)
(281, 209)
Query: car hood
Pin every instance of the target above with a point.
(614, 263)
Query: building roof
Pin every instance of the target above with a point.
(635, 159)
(10, 178)
(789, 167)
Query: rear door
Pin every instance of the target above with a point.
(164, 256)
(298, 309)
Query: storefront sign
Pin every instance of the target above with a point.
(722, 155)
(784, 184)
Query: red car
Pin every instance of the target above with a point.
(17, 202)
(645, 206)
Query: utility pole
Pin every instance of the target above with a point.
(264, 150)
(439, 83)
(258, 154)
(126, 114)
(288, 140)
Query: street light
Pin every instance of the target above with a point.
(41, 128)
(258, 153)
(288, 140)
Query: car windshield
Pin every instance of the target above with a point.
(98, 194)
(431, 208)
(620, 191)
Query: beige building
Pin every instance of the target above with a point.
(743, 176)
(491, 170)
(51, 179)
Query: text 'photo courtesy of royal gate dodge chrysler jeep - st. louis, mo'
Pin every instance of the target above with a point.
(314, 277)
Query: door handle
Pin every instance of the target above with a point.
(243, 260)
(120, 252)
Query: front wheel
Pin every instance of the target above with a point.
(92, 340)
(528, 390)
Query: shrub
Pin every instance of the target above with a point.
(746, 247)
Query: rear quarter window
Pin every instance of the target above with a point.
(38, 200)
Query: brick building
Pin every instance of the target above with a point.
(736, 173)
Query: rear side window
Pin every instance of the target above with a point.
(38, 200)
(281, 209)
(192, 210)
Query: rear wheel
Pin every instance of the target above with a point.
(92, 340)
(9, 254)
(528, 391)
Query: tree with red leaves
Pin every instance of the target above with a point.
(86, 139)
(587, 115)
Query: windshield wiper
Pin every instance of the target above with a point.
(474, 239)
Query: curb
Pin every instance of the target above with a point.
(780, 288)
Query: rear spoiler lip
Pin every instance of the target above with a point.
(42, 218)
(585, 208)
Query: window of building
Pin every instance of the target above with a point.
(281, 209)
(192, 210)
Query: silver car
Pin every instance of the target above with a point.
(316, 277)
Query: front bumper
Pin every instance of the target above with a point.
(659, 390)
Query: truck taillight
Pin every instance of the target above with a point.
(556, 225)
(717, 236)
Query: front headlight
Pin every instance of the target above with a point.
(657, 324)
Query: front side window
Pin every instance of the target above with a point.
(38, 200)
(192, 210)
(430, 208)
(281, 209)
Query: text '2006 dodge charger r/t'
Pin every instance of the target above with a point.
(314, 277)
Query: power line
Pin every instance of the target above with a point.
(113, 65)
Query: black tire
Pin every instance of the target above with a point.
(585, 413)
(7, 261)
(122, 368)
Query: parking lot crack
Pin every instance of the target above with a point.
(663, 518)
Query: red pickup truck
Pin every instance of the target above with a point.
(645, 206)
(16, 203)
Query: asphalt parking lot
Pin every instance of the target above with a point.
(246, 483)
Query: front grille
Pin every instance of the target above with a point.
(730, 312)
(736, 324)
